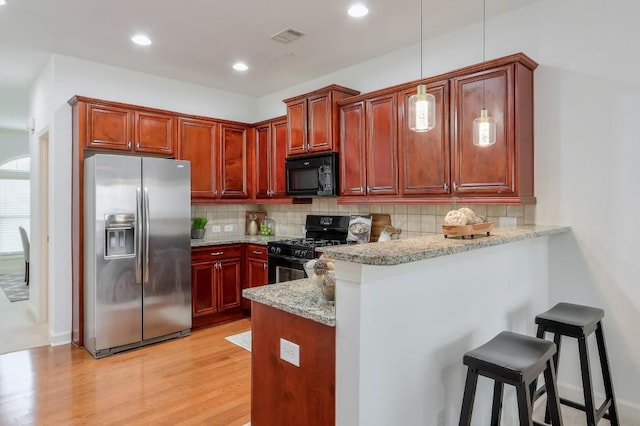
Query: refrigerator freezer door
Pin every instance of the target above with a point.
(113, 299)
(167, 246)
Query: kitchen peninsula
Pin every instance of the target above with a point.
(405, 313)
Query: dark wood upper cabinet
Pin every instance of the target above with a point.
(115, 127)
(233, 161)
(483, 169)
(109, 127)
(297, 127)
(353, 179)
(504, 169)
(433, 166)
(271, 149)
(155, 133)
(382, 145)
(263, 166)
(312, 120)
(368, 147)
(424, 156)
(218, 155)
(197, 143)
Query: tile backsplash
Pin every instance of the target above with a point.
(414, 220)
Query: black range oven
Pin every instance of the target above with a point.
(287, 257)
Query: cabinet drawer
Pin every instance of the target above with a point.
(257, 251)
(203, 254)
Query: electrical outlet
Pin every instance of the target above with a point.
(215, 228)
(290, 352)
(228, 228)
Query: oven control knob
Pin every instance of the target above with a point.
(278, 250)
(304, 253)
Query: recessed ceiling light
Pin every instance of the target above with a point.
(141, 39)
(240, 66)
(358, 10)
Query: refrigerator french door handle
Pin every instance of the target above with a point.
(146, 232)
(138, 236)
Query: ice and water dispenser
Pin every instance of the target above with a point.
(120, 235)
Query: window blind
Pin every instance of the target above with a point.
(14, 212)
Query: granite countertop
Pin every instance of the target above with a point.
(298, 297)
(408, 250)
(235, 239)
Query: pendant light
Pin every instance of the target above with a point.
(484, 127)
(422, 105)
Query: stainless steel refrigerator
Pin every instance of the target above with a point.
(137, 254)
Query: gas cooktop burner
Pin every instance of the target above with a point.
(321, 231)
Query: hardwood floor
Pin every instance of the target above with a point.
(199, 379)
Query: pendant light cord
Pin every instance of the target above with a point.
(484, 57)
(421, 37)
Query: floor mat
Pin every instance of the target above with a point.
(242, 339)
(14, 287)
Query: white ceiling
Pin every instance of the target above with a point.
(197, 41)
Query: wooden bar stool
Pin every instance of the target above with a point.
(577, 321)
(517, 360)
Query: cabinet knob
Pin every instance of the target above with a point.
(445, 186)
(215, 192)
(137, 145)
(455, 186)
(368, 189)
(129, 145)
(222, 193)
(265, 265)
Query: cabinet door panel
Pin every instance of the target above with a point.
(263, 166)
(382, 145)
(278, 156)
(319, 136)
(489, 169)
(297, 127)
(233, 162)
(352, 149)
(204, 298)
(229, 280)
(154, 133)
(257, 275)
(109, 127)
(197, 144)
(424, 156)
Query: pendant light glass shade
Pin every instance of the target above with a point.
(484, 129)
(422, 110)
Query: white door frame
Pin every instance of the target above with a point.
(41, 269)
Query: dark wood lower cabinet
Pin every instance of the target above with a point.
(216, 280)
(281, 393)
(256, 270)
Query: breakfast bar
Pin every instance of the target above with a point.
(407, 310)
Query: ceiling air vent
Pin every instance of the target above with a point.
(287, 36)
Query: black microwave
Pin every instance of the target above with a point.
(312, 175)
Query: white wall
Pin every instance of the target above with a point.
(587, 145)
(13, 143)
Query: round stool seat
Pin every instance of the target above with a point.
(515, 357)
(571, 320)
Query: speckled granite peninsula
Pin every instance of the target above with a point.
(297, 297)
(234, 239)
(397, 252)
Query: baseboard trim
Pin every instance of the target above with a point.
(628, 411)
(60, 339)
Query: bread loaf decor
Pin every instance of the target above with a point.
(464, 222)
